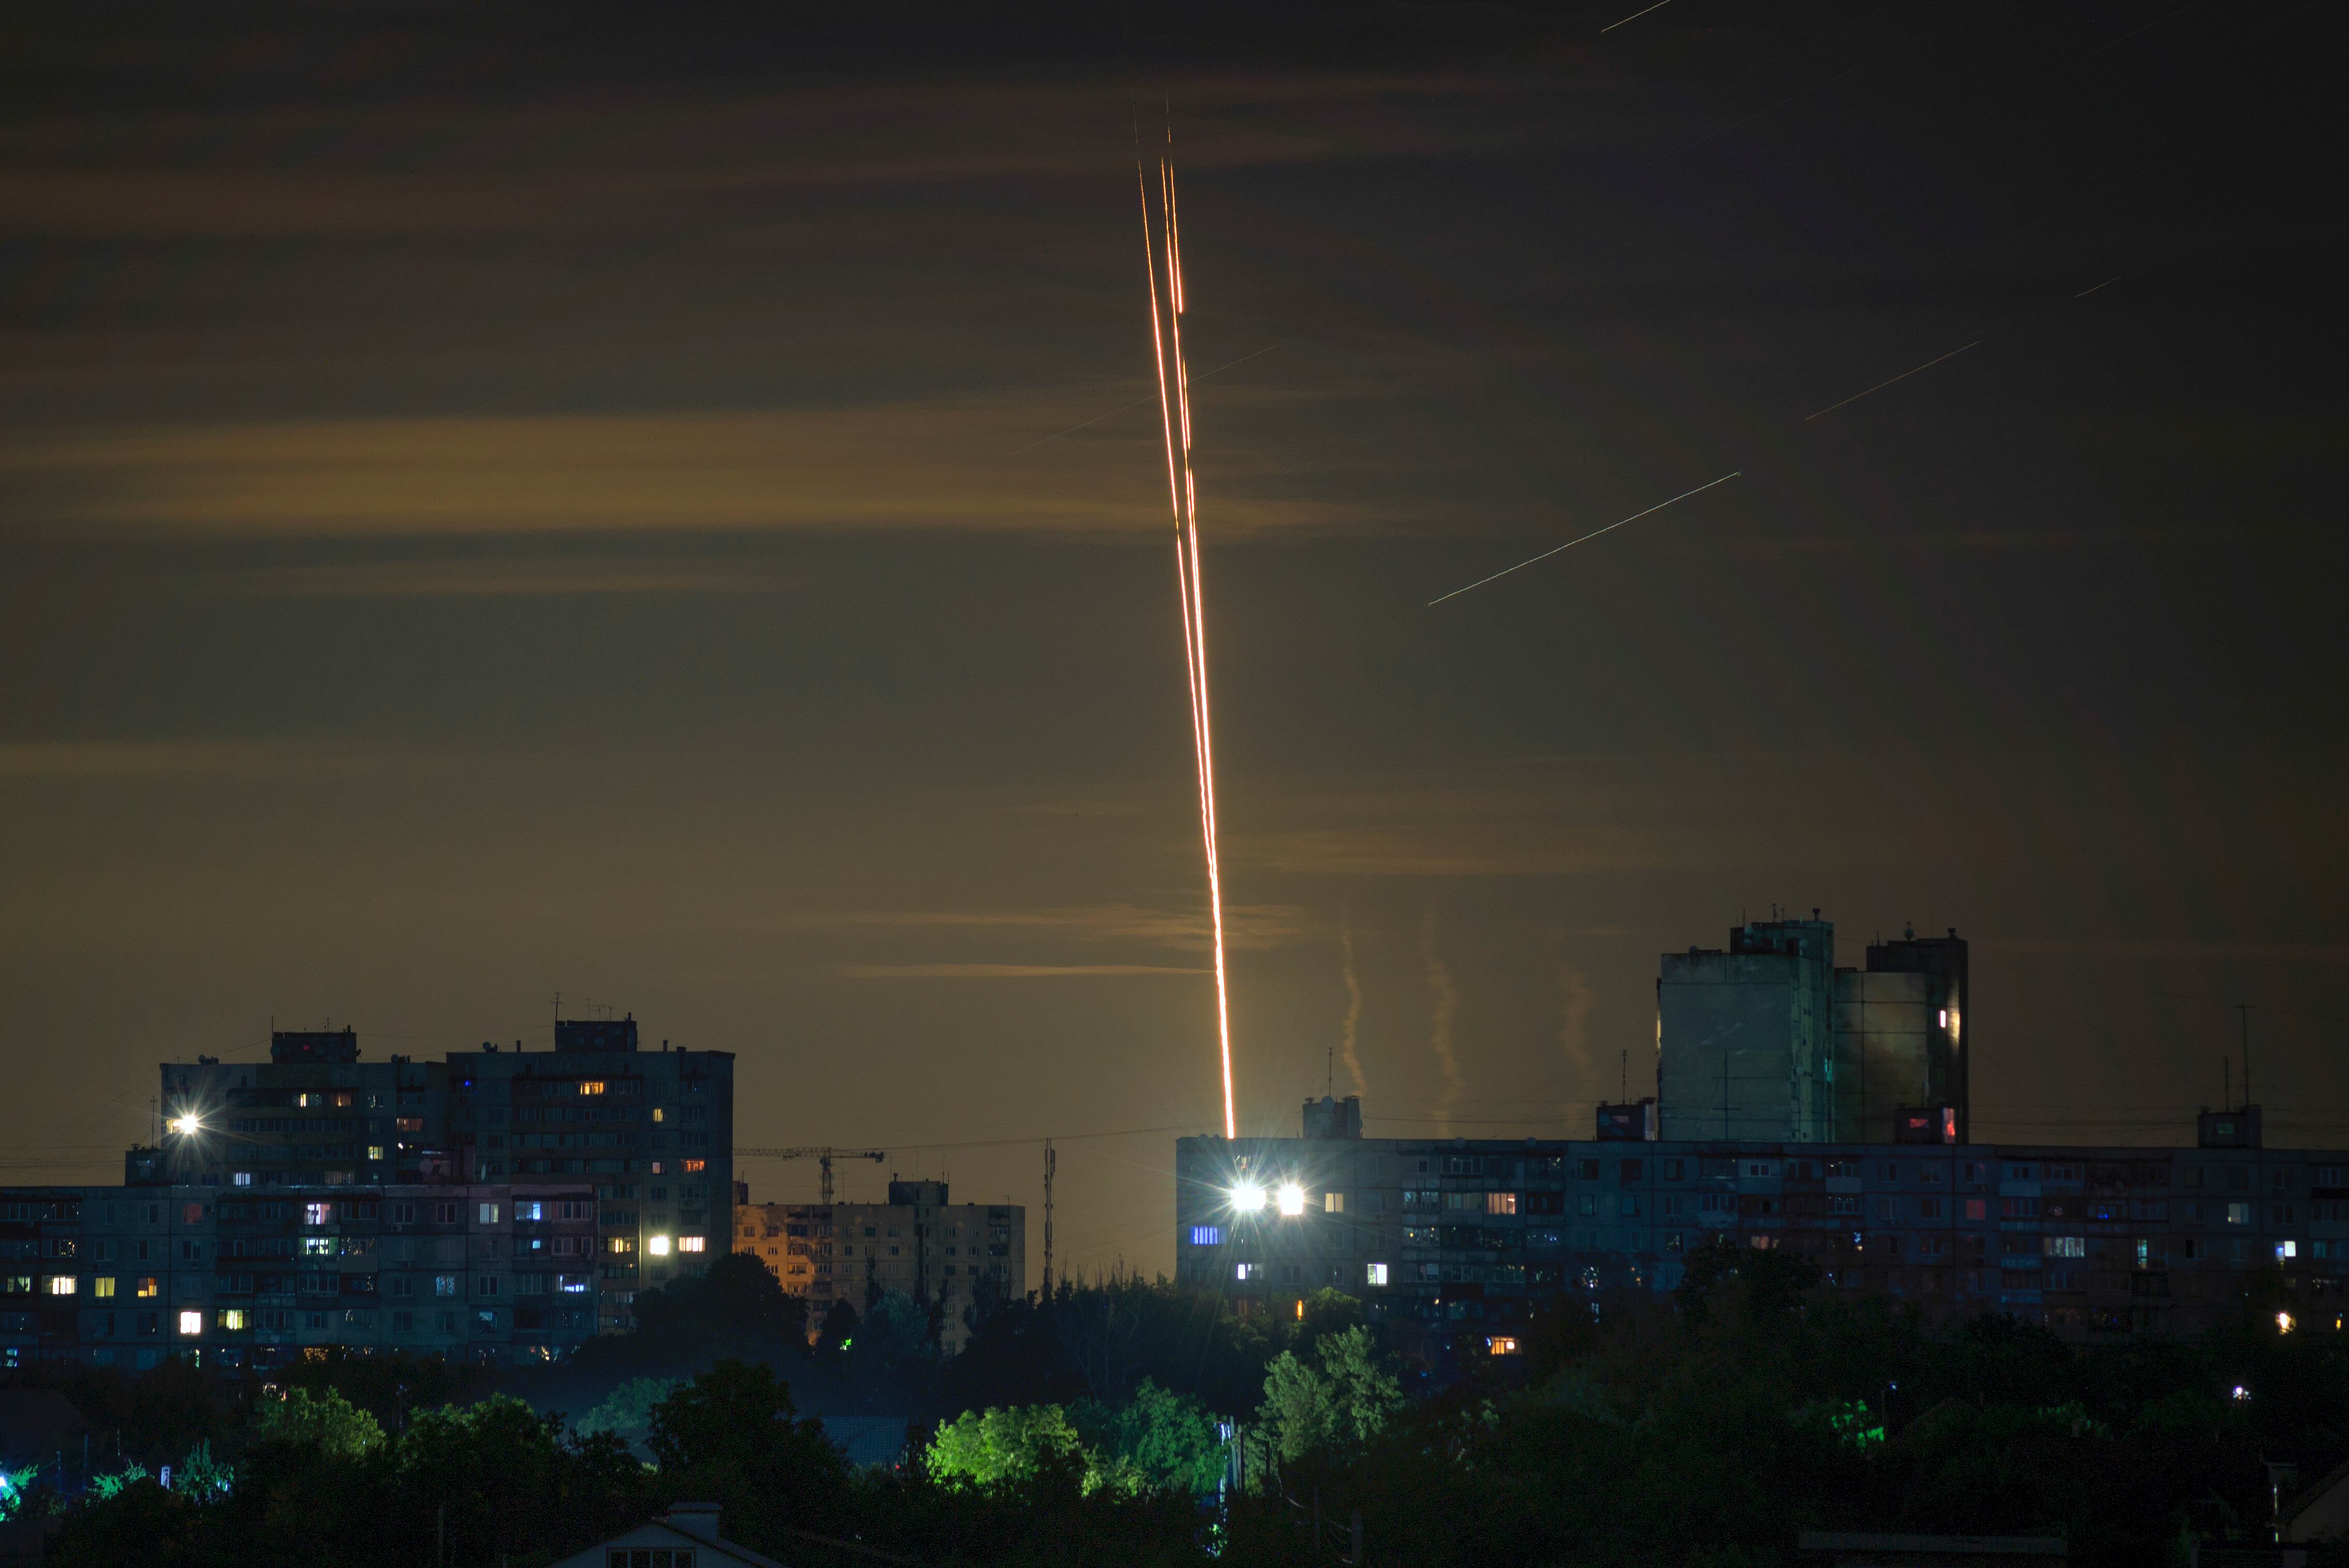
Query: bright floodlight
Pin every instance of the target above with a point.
(1247, 1198)
(1292, 1199)
(658, 1246)
(186, 1125)
(2284, 1322)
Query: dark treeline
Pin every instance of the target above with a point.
(1709, 1429)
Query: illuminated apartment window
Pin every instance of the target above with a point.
(1207, 1235)
(191, 1322)
(148, 1289)
(1333, 1203)
(374, 1151)
(62, 1284)
(692, 1244)
(658, 1247)
(694, 1165)
(1500, 1203)
(1374, 1274)
(1244, 1270)
(232, 1317)
(591, 1087)
(102, 1287)
(659, 1115)
(488, 1214)
(1502, 1344)
(317, 1213)
(241, 1179)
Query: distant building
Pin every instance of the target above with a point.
(1467, 1233)
(954, 1254)
(652, 1130)
(1769, 1041)
(236, 1277)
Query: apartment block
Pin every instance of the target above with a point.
(237, 1278)
(1467, 1233)
(651, 1130)
(958, 1255)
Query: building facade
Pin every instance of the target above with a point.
(234, 1278)
(958, 1255)
(653, 1131)
(1470, 1232)
(1769, 1041)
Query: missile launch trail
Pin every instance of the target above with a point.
(1183, 498)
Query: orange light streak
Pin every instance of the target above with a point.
(1182, 495)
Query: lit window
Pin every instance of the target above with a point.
(1945, 1018)
(102, 1287)
(444, 1284)
(488, 1212)
(1374, 1274)
(1244, 1270)
(658, 1247)
(623, 1243)
(690, 1244)
(2284, 1250)
(1247, 1198)
(1505, 1203)
(2284, 1322)
(232, 1317)
(374, 1151)
(318, 1246)
(241, 1179)
(191, 1322)
(317, 1213)
(1502, 1344)
(693, 1165)
(591, 1087)
(1207, 1235)
(1333, 1203)
(148, 1289)
(1292, 1199)
(659, 1115)
(60, 1285)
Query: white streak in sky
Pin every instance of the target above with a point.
(1594, 533)
(1881, 385)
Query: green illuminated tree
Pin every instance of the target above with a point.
(1004, 1445)
(328, 1424)
(1340, 1399)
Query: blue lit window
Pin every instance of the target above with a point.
(1207, 1235)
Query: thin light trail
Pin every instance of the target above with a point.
(1137, 403)
(1881, 385)
(1594, 533)
(2107, 283)
(1182, 497)
(1634, 16)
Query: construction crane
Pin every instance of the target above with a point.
(823, 1156)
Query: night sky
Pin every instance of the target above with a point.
(495, 503)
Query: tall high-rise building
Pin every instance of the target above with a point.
(1743, 1037)
(1770, 1040)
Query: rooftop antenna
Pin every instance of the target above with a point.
(1329, 1072)
(1051, 1160)
(2244, 1009)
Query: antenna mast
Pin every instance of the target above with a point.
(1051, 1160)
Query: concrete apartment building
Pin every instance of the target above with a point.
(247, 1278)
(1768, 1040)
(1468, 1232)
(955, 1255)
(651, 1132)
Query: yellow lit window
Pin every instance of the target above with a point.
(658, 1247)
(693, 1165)
(690, 1244)
(659, 1115)
(623, 1243)
(148, 1289)
(102, 1287)
(374, 1151)
(591, 1087)
(232, 1317)
(59, 1285)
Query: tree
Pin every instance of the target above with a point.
(1004, 1445)
(1156, 1442)
(1340, 1399)
(328, 1424)
(730, 1435)
(628, 1411)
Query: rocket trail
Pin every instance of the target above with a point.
(1137, 403)
(1881, 385)
(1594, 533)
(1182, 497)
